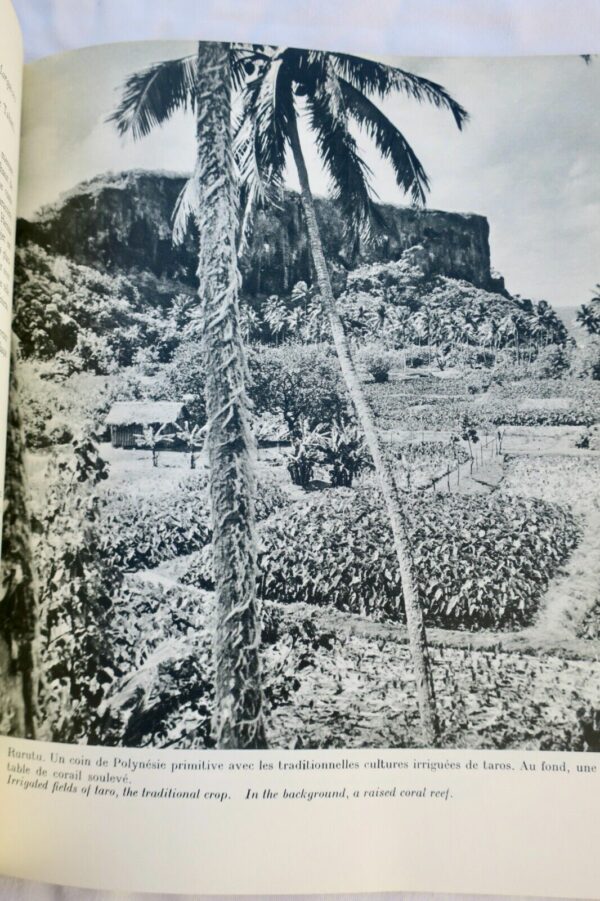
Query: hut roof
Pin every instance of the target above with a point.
(126, 412)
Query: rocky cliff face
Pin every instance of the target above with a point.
(123, 222)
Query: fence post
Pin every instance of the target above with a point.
(448, 476)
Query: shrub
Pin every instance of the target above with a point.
(590, 627)
(508, 370)
(481, 561)
(478, 357)
(585, 359)
(298, 382)
(477, 382)
(76, 588)
(415, 359)
(377, 363)
(584, 440)
(59, 433)
(551, 362)
(543, 417)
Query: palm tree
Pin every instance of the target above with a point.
(250, 323)
(588, 315)
(334, 90)
(508, 327)
(203, 83)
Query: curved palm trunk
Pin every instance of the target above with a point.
(18, 605)
(238, 699)
(389, 488)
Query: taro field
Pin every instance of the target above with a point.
(502, 489)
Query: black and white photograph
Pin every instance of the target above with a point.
(304, 443)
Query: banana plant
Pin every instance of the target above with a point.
(191, 435)
(152, 438)
(345, 452)
(305, 452)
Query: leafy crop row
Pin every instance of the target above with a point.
(139, 533)
(481, 562)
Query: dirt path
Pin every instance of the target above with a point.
(561, 473)
(576, 589)
(526, 641)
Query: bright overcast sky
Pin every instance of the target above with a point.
(527, 159)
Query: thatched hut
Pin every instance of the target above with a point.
(128, 419)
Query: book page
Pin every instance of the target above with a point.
(309, 378)
(11, 71)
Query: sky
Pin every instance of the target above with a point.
(527, 159)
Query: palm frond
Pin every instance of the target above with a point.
(186, 207)
(261, 138)
(260, 185)
(152, 95)
(272, 105)
(372, 77)
(247, 61)
(349, 174)
(391, 143)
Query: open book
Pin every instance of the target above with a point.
(300, 559)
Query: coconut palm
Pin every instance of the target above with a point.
(335, 90)
(509, 328)
(588, 315)
(203, 83)
(544, 325)
(250, 323)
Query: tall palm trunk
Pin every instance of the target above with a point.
(389, 488)
(18, 607)
(238, 698)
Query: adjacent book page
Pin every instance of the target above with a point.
(11, 73)
(470, 331)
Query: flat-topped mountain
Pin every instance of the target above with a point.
(123, 221)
